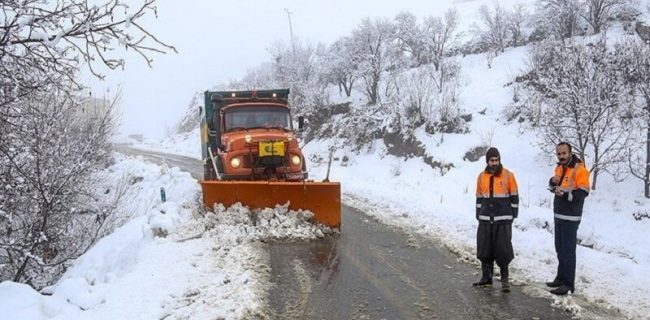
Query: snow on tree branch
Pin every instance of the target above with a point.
(44, 43)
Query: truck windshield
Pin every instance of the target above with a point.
(257, 117)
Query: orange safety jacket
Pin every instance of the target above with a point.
(497, 198)
(575, 185)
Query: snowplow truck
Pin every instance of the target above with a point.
(251, 155)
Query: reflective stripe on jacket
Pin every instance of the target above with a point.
(575, 185)
(497, 198)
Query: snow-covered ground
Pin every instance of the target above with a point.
(171, 260)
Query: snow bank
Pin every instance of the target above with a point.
(155, 265)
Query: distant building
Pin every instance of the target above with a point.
(95, 107)
(136, 137)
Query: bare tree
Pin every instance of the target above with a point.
(340, 66)
(374, 46)
(439, 34)
(560, 18)
(582, 99)
(50, 213)
(262, 76)
(634, 59)
(296, 66)
(43, 43)
(516, 21)
(417, 100)
(596, 12)
(51, 141)
(446, 116)
(494, 32)
(411, 39)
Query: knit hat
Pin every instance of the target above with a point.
(491, 153)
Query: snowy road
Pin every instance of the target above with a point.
(372, 271)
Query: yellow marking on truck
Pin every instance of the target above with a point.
(204, 133)
(271, 148)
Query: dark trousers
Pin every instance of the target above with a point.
(494, 243)
(566, 233)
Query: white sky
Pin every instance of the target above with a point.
(219, 40)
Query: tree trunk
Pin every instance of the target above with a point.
(646, 177)
(20, 271)
(596, 27)
(373, 90)
(596, 166)
(348, 88)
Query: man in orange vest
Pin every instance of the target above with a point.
(497, 205)
(570, 184)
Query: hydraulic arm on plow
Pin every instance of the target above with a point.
(251, 155)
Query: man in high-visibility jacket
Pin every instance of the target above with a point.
(570, 184)
(497, 205)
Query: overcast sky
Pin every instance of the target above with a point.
(219, 40)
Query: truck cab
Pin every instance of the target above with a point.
(249, 135)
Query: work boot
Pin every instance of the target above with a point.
(486, 278)
(561, 290)
(505, 281)
(554, 284)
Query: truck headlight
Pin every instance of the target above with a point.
(235, 162)
(289, 137)
(248, 138)
(295, 160)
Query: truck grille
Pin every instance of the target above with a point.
(263, 162)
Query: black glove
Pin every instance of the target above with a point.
(551, 185)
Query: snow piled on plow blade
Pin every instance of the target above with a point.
(278, 223)
(323, 199)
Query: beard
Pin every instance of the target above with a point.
(494, 169)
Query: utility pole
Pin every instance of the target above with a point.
(293, 44)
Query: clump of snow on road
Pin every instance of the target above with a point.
(277, 223)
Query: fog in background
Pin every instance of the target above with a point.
(219, 40)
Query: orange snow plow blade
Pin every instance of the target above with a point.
(321, 198)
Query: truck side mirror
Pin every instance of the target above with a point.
(301, 123)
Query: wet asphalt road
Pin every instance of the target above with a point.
(371, 271)
(374, 271)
